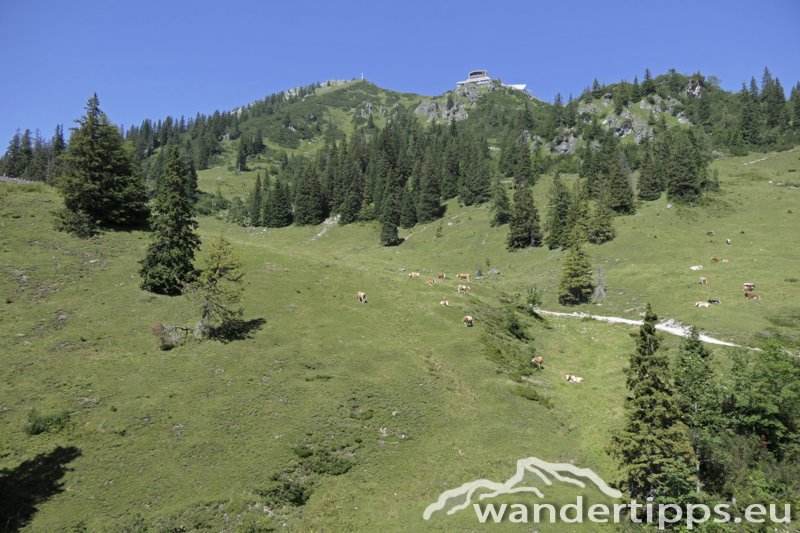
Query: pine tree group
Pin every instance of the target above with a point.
(523, 228)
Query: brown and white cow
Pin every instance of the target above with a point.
(463, 288)
(749, 287)
(441, 275)
(430, 282)
(703, 280)
(538, 361)
(752, 296)
(696, 267)
(467, 320)
(444, 303)
(702, 304)
(464, 276)
(413, 275)
(361, 297)
(573, 379)
(714, 259)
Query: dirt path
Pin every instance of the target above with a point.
(327, 224)
(668, 326)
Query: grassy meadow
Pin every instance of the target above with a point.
(386, 405)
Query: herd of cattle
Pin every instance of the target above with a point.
(467, 320)
(747, 288)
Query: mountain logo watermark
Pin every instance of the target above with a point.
(482, 489)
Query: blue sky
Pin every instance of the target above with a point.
(149, 59)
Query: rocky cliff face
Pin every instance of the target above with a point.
(432, 110)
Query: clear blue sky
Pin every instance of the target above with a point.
(149, 59)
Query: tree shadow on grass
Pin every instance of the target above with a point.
(236, 330)
(30, 484)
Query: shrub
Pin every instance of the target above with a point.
(39, 423)
(77, 223)
(167, 337)
(514, 326)
(284, 491)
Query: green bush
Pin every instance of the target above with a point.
(39, 423)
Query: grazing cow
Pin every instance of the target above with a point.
(703, 280)
(710, 233)
(714, 301)
(413, 275)
(444, 303)
(702, 304)
(464, 276)
(573, 379)
(726, 260)
(430, 282)
(696, 267)
(537, 361)
(361, 297)
(441, 275)
(463, 288)
(727, 241)
(467, 320)
(751, 296)
(714, 259)
(748, 287)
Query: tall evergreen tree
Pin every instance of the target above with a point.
(390, 218)
(699, 400)
(476, 182)
(428, 206)
(98, 183)
(617, 188)
(556, 226)
(653, 449)
(523, 228)
(309, 207)
(601, 223)
(169, 262)
(408, 210)
(501, 206)
(575, 285)
(255, 202)
(650, 185)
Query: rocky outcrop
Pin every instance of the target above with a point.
(564, 143)
(694, 88)
(431, 110)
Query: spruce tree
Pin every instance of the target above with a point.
(575, 285)
(280, 208)
(476, 182)
(523, 228)
(523, 171)
(649, 181)
(653, 449)
(618, 190)
(390, 218)
(98, 182)
(557, 224)
(428, 206)
(408, 210)
(255, 202)
(169, 262)
(501, 206)
(699, 400)
(308, 202)
(601, 223)
(218, 289)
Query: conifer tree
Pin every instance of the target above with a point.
(618, 189)
(601, 223)
(428, 206)
(501, 206)
(556, 226)
(699, 400)
(575, 285)
(169, 262)
(309, 208)
(408, 211)
(653, 449)
(98, 182)
(218, 289)
(523, 228)
(390, 218)
(523, 173)
(255, 202)
(578, 214)
(649, 181)
(476, 183)
(279, 212)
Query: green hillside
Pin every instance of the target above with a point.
(376, 409)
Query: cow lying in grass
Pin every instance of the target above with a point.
(573, 379)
